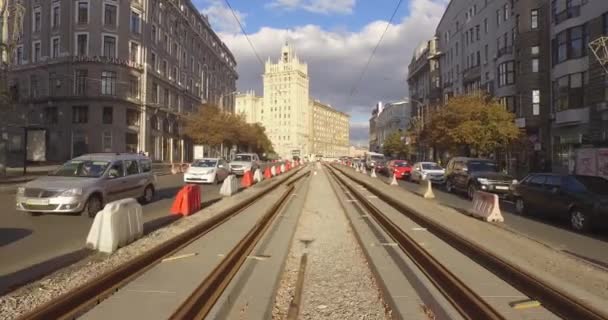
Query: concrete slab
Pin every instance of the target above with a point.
(251, 293)
(157, 293)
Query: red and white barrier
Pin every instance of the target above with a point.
(486, 206)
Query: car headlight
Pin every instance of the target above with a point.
(482, 180)
(20, 191)
(72, 192)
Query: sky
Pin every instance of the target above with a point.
(336, 38)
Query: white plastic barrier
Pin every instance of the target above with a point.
(486, 206)
(230, 186)
(282, 168)
(273, 170)
(373, 175)
(425, 189)
(394, 181)
(257, 176)
(118, 224)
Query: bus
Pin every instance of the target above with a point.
(371, 158)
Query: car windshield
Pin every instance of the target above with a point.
(431, 166)
(401, 164)
(242, 157)
(82, 168)
(205, 163)
(593, 184)
(482, 166)
(377, 158)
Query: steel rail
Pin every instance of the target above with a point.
(468, 303)
(76, 301)
(203, 298)
(554, 300)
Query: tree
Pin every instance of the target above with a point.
(394, 145)
(479, 123)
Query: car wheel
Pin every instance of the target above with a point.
(93, 206)
(448, 187)
(471, 191)
(520, 206)
(148, 194)
(579, 220)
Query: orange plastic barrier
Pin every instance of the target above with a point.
(267, 173)
(278, 170)
(187, 201)
(247, 180)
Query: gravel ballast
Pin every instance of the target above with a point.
(338, 283)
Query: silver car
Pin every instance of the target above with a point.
(86, 183)
(243, 162)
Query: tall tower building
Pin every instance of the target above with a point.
(287, 118)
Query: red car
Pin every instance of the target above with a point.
(400, 168)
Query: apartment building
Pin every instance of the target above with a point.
(119, 76)
(330, 131)
(250, 106)
(394, 117)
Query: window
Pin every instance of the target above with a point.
(477, 29)
(34, 86)
(506, 73)
(165, 68)
(174, 74)
(145, 165)
(134, 52)
(82, 12)
(131, 167)
(80, 114)
(534, 65)
(53, 83)
(485, 51)
(605, 21)
(132, 117)
(36, 51)
(80, 82)
(135, 22)
(106, 141)
(506, 12)
(535, 50)
(570, 44)
(36, 19)
(568, 91)
(166, 98)
(109, 46)
(534, 19)
(153, 61)
(154, 34)
(82, 44)
(134, 87)
(110, 15)
(498, 17)
(108, 83)
(55, 15)
(55, 47)
(50, 115)
(155, 92)
(535, 102)
(19, 55)
(107, 114)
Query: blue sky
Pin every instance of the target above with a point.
(335, 38)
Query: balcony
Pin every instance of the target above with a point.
(564, 15)
(572, 116)
(471, 74)
(504, 50)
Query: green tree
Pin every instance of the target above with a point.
(477, 122)
(394, 145)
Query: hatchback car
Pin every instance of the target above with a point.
(428, 170)
(207, 170)
(243, 162)
(473, 174)
(86, 183)
(400, 168)
(583, 200)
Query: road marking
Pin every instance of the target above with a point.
(385, 244)
(151, 291)
(372, 197)
(352, 200)
(181, 256)
(260, 257)
(419, 229)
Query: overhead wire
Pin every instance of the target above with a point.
(244, 32)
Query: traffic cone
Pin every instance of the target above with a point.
(267, 173)
(394, 180)
(278, 170)
(373, 175)
(247, 180)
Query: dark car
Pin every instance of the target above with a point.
(583, 200)
(381, 167)
(473, 174)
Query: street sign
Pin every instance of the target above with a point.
(295, 152)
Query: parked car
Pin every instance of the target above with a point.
(371, 158)
(473, 174)
(400, 168)
(243, 162)
(583, 200)
(86, 183)
(428, 170)
(381, 167)
(207, 170)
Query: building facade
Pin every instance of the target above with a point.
(330, 131)
(394, 117)
(119, 76)
(293, 121)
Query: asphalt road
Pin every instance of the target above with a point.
(30, 246)
(592, 247)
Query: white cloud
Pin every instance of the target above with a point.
(316, 6)
(336, 58)
(222, 19)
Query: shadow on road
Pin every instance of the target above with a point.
(19, 278)
(10, 235)
(161, 222)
